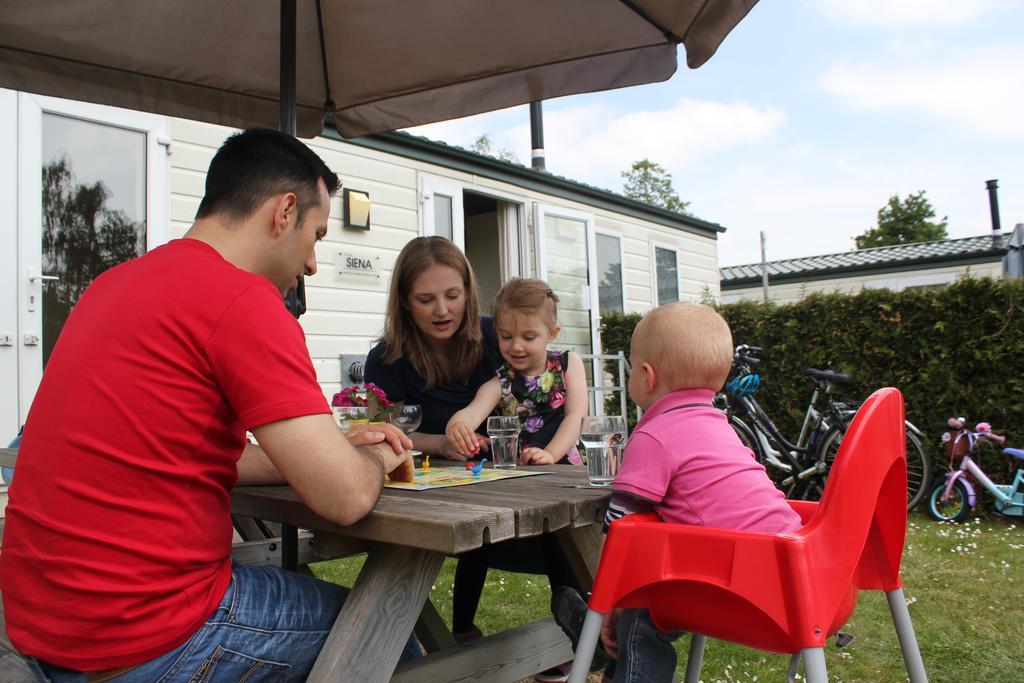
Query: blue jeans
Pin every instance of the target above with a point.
(270, 626)
(646, 655)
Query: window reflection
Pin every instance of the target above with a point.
(609, 270)
(94, 209)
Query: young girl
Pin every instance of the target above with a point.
(547, 390)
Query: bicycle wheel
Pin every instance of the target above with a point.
(956, 508)
(919, 463)
(746, 435)
(919, 470)
(777, 471)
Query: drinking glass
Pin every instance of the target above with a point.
(348, 417)
(504, 433)
(604, 437)
(408, 418)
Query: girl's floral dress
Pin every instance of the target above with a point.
(538, 401)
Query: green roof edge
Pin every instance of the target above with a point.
(459, 159)
(879, 269)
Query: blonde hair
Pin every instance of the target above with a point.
(529, 295)
(401, 335)
(689, 344)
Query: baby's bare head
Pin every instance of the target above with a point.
(688, 344)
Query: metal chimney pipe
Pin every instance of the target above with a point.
(537, 136)
(993, 204)
(764, 265)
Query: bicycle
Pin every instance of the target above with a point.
(800, 469)
(953, 499)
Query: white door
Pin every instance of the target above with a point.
(442, 212)
(91, 191)
(566, 261)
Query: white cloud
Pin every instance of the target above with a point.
(811, 201)
(982, 88)
(892, 14)
(595, 142)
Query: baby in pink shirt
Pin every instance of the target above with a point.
(683, 461)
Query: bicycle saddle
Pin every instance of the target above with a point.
(829, 376)
(1015, 452)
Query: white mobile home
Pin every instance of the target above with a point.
(94, 185)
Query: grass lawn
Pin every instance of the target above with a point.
(963, 583)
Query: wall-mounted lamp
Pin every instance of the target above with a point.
(355, 209)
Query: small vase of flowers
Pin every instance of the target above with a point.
(360, 404)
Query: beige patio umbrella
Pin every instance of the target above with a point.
(374, 64)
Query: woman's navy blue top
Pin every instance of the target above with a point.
(401, 382)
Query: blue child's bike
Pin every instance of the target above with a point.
(953, 499)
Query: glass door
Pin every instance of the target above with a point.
(92, 193)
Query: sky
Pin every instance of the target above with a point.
(808, 118)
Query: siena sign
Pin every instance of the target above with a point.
(350, 263)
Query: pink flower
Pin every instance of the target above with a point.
(557, 399)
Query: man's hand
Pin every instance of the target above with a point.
(608, 637)
(536, 456)
(385, 442)
(368, 435)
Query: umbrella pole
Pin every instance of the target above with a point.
(295, 299)
(288, 28)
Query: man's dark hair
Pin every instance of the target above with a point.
(256, 164)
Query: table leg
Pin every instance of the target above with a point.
(431, 631)
(289, 547)
(582, 548)
(373, 626)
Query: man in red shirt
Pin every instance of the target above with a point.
(116, 562)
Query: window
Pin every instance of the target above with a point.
(666, 268)
(443, 216)
(609, 273)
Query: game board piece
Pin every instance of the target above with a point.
(426, 463)
(477, 467)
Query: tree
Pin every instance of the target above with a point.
(82, 237)
(482, 145)
(650, 183)
(904, 222)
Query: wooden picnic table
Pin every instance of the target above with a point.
(407, 536)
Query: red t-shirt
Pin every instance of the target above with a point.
(118, 537)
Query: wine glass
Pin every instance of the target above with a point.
(408, 417)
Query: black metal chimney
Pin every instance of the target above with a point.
(537, 136)
(993, 205)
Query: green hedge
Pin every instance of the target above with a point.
(954, 351)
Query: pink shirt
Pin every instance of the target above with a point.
(692, 466)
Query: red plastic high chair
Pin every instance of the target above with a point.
(783, 593)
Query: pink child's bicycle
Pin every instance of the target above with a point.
(953, 499)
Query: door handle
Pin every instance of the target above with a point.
(34, 276)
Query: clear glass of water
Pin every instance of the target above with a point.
(604, 437)
(504, 433)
